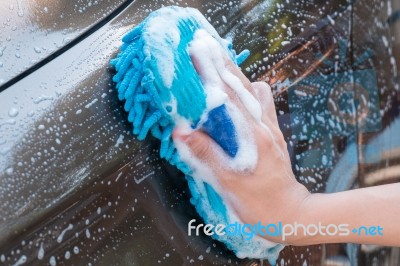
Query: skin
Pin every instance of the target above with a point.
(271, 194)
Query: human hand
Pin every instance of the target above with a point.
(269, 193)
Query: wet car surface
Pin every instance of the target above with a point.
(33, 32)
(76, 188)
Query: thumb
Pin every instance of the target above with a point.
(199, 143)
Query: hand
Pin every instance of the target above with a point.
(269, 193)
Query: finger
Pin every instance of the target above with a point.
(204, 65)
(207, 68)
(263, 93)
(212, 69)
(205, 149)
(199, 143)
(199, 65)
(244, 98)
(235, 70)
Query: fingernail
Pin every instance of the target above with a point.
(185, 138)
(177, 134)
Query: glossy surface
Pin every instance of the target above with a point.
(30, 31)
(76, 187)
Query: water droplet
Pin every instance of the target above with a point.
(53, 261)
(87, 232)
(43, 98)
(61, 236)
(20, 10)
(13, 112)
(2, 48)
(76, 250)
(10, 171)
(40, 252)
(21, 260)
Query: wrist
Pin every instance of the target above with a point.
(312, 213)
(288, 208)
(298, 197)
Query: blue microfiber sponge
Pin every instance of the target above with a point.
(157, 79)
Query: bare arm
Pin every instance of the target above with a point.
(372, 215)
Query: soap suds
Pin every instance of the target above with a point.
(170, 19)
(211, 62)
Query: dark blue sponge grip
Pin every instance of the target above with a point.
(220, 128)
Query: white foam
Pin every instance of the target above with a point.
(168, 18)
(212, 83)
(211, 61)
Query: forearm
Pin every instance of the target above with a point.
(373, 212)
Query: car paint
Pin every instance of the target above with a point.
(77, 188)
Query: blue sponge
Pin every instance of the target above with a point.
(157, 79)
